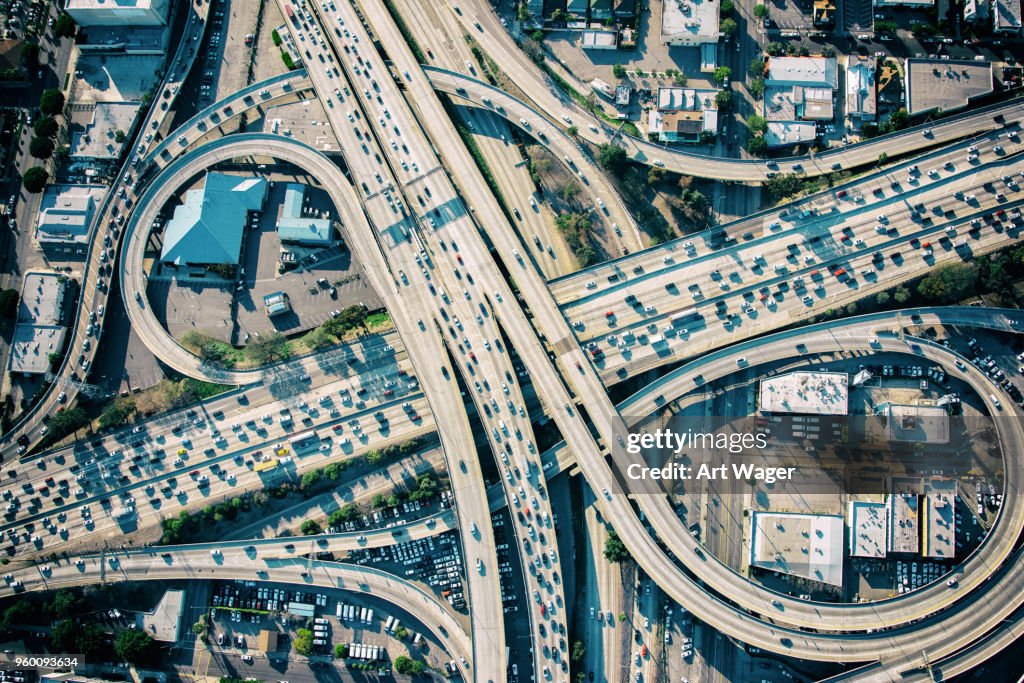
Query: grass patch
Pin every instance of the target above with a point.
(276, 37)
(378, 320)
(204, 390)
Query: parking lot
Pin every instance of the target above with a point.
(256, 621)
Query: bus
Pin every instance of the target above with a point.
(680, 319)
(307, 441)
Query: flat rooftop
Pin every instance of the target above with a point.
(66, 212)
(806, 545)
(164, 622)
(861, 95)
(809, 72)
(868, 529)
(94, 128)
(689, 22)
(945, 84)
(904, 536)
(812, 393)
(782, 133)
(939, 523)
(39, 331)
(599, 40)
(918, 423)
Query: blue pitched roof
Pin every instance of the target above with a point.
(208, 227)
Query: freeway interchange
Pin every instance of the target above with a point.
(403, 201)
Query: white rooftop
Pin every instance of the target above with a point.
(38, 332)
(903, 523)
(805, 545)
(67, 211)
(861, 94)
(690, 22)
(782, 133)
(868, 529)
(814, 393)
(806, 71)
(94, 134)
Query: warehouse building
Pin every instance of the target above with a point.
(296, 227)
(65, 214)
(805, 393)
(690, 22)
(39, 330)
(806, 545)
(208, 227)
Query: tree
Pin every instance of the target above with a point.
(29, 55)
(537, 35)
(51, 102)
(949, 283)
(117, 413)
(756, 67)
(45, 127)
(726, 8)
(378, 501)
(579, 650)
(618, 70)
(268, 349)
(761, 11)
(524, 11)
(135, 647)
(119, 136)
(679, 79)
(66, 422)
(341, 650)
(728, 26)
(774, 48)
(828, 51)
(199, 628)
(66, 603)
(756, 88)
(901, 295)
(882, 299)
(65, 635)
(94, 644)
(882, 158)
(784, 185)
(655, 175)
(41, 148)
(310, 528)
(34, 180)
(612, 158)
(614, 549)
(401, 633)
(403, 665)
(757, 145)
(757, 123)
(303, 641)
(723, 100)
(65, 26)
(722, 75)
(9, 303)
(309, 479)
(572, 131)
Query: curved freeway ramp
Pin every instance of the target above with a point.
(546, 96)
(186, 562)
(978, 604)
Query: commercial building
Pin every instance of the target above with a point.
(869, 529)
(599, 40)
(926, 424)
(65, 214)
(805, 393)
(296, 227)
(806, 545)
(785, 133)
(163, 623)
(39, 330)
(96, 128)
(861, 96)
(1006, 16)
(207, 228)
(945, 85)
(683, 114)
(904, 534)
(938, 528)
(824, 13)
(118, 12)
(267, 641)
(976, 11)
(905, 3)
(690, 22)
(800, 89)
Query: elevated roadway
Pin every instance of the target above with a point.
(266, 565)
(107, 219)
(546, 96)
